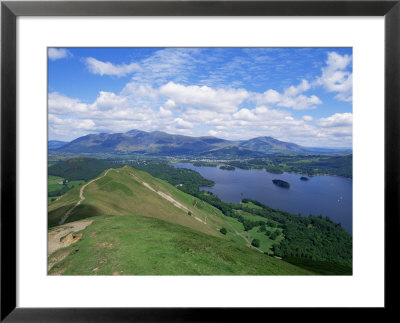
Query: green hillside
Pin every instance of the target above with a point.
(143, 225)
(135, 245)
(122, 192)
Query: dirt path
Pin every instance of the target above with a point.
(63, 236)
(168, 198)
(173, 201)
(57, 237)
(162, 194)
(245, 239)
(81, 197)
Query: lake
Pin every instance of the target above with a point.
(330, 196)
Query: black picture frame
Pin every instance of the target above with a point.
(10, 10)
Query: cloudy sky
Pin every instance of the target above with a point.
(301, 95)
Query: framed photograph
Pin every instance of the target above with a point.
(177, 155)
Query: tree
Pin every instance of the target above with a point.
(274, 235)
(223, 231)
(276, 250)
(189, 213)
(255, 243)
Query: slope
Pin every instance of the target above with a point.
(136, 245)
(143, 225)
(127, 191)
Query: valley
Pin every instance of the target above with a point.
(169, 210)
(126, 192)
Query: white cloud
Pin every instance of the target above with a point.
(295, 90)
(108, 101)
(223, 100)
(264, 121)
(336, 120)
(61, 104)
(58, 53)
(85, 124)
(199, 110)
(169, 64)
(106, 68)
(268, 97)
(300, 102)
(170, 104)
(213, 133)
(109, 113)
(69, 118)
(244, 114)
(335, 77)
(164, 113)
(139, 90)
(134, 114)
(69, 128)
(206, 117)
(291, 97)
(180, 123)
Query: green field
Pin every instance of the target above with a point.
(55, 185)
(251, 217)
(265, 242)
(253, 206)
(135, 245)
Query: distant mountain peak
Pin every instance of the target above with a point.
(134, 131)
(163, 144)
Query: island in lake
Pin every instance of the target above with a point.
(303, 178)
(227, 167)
(281, 183)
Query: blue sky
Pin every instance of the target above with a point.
(301, 95)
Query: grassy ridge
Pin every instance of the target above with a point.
(134, 245)
(119, 193)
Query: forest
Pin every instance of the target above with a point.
(80, 168)
(310, 237)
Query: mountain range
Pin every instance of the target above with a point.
(164, 144)
(54, 144)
